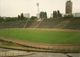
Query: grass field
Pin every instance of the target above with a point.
(42, 36)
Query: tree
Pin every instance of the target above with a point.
(59, 14)
(1, 19)
(43, 15)
(54, 14)
(33, 18)
(22, 16)
(18, 16)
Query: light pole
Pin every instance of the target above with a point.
(38, 14)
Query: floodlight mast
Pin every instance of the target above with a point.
(38, 10)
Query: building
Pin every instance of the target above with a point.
(27, 15)
(76, 14)
(68, 8)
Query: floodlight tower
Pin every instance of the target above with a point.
(38, 14)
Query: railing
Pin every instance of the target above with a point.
(14, 53)
(26, 50)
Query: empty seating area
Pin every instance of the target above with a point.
(62, 23)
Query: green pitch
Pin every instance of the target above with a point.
(42, 36)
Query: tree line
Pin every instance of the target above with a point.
(42, 15)
(19, 18)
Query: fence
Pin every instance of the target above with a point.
(13, 53)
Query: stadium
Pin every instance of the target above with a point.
(46, 37)
(40, 36)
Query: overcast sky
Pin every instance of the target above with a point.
(15, 7)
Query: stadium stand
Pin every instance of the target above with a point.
(63, 23)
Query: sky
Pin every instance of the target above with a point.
(11, 8)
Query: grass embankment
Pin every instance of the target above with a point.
(42, 36)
